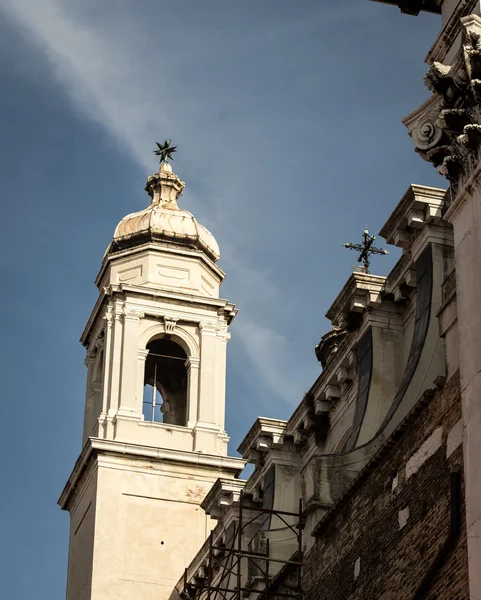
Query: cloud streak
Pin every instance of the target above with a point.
(114, 85)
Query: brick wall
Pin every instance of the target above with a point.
(380, 539)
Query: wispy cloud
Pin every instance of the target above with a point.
(109, 78)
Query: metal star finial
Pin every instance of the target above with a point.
(366, 249)
(165, 151)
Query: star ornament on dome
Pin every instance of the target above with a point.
(165, 151)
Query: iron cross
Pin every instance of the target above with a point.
(366, 249)
(165, 151)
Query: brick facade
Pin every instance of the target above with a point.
(380, 539)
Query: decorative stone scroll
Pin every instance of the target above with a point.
(446, 130)
(170, 324)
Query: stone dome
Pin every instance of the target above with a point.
(163, 221)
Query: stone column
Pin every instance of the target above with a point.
(141, 358)
(208, 374)
(106, 371)
(129, 368)
(192, 366)
(222, 339)
(115, 358)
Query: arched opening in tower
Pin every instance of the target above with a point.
(165, 383)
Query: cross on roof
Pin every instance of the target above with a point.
(366, 249)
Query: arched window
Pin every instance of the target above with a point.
(165, 383)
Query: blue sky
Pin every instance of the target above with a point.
(287, 118)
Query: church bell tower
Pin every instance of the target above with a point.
(153, 439)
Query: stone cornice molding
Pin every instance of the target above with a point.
(226, 311)
(361, 291)
(132, 313)
(432, 234)
(150, 247)
(264, 434)
(223, 494)
(419, 206)
(96, 447)
(449, 32)
(193, 362)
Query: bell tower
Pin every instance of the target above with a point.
(153, 440)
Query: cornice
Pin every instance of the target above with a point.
(411, 7)
(449, 32)
(96, 446)
(263, 434)
(361, 290)
(121, 290)
(151, 247)
(419, 205)
(222, 495)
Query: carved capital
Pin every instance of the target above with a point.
(108, 318)
(208, 327)
(423, 127)
(132, 314)
(446, 130)
(90, 357)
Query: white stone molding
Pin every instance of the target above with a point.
(132, 313)
(192, 362)
(108, 317)
(170, 324)
(209, 327)
(185, 339)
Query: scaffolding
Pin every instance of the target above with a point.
(235, 570)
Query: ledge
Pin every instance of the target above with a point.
(414, 7)
(97, 446)
(263, 434)
(420, 205)
(361, 291)
(222, 494)
(221, 304)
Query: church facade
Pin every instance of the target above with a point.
(372, 488)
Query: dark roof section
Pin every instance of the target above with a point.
(414, 7)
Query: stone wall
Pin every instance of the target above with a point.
(380, 538)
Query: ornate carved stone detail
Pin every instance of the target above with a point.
(329, 344)
(446, 130)
(170, 324)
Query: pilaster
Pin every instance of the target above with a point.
(450, 122)
(193, 364)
